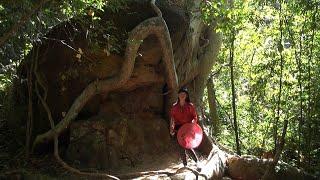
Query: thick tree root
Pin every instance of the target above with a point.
(150, 26)
(156, 26)
(168, 173)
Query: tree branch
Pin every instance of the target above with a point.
(155, 26)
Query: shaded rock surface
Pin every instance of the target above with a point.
(109, 143)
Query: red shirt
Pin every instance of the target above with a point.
(183, 114)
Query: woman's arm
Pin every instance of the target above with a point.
(194, 114)
(172, 124)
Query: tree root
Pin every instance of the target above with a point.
(150, 26)
(168, 173)
(155, 25)
(56, 142)
(76, 171)
(155, 8)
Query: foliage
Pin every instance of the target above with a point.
(84, 13)
(255, 27)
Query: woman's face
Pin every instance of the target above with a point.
(182, 96)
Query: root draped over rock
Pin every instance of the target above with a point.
(156, 26)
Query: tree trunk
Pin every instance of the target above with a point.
(298, 56)
(271, 168)
(234, 108)
(310, 79)
(280, 49)
(213, 108)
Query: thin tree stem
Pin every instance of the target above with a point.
(234, 109)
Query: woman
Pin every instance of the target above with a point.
(183, 111)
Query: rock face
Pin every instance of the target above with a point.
(112, 142)
(67, 71)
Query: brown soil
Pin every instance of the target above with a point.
(15, 166)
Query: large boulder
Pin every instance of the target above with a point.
(113, 142)
(78, 51)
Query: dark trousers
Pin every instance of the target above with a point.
(183, 152)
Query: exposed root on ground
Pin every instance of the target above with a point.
(168, 173)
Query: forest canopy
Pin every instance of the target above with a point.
(274, 47)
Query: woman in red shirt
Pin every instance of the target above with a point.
(183, 111)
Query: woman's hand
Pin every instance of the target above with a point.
(172, 132)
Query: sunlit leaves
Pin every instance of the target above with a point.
(257, 47)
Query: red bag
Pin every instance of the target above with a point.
(190, 135)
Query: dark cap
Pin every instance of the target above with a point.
(183, 89)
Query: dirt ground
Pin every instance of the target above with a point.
(14, 165)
